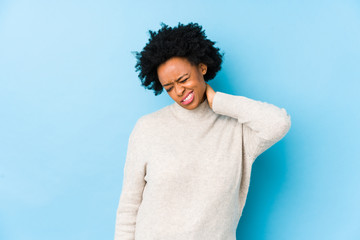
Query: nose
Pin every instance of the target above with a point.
(179, 90)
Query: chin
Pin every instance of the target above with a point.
(192, 106)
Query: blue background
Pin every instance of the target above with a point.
(70, 96)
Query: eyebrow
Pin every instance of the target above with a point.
(177, 79)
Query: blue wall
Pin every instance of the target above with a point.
(69, 98)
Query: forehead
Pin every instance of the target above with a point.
(173, 68)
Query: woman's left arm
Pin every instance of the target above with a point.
(263, 124)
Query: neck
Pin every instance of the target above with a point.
(202, 111)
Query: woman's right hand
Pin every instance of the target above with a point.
(210, 93)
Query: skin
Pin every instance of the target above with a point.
(179, 77)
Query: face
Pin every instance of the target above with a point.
(183, 81)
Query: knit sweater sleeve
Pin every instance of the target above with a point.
(132, 188)
(263, 124)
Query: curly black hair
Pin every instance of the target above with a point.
(187, 41)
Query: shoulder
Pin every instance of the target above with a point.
(152, 121)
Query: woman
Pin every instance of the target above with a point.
(188, 165)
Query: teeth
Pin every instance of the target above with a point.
(188, 97)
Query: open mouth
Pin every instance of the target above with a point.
(189, 98)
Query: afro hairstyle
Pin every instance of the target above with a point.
(187, 41)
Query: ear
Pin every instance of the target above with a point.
(203, 68)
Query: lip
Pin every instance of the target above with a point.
(186, 96)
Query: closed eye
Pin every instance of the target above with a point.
(169, 89)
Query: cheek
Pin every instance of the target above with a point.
(201, 80)
(196, 83)
(201, 83)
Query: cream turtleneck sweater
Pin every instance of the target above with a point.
(187, 172)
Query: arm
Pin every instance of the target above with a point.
(132, 189)
(263, 124)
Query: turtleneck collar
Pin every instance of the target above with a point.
(202, 111)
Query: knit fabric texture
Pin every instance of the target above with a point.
(187, 172)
